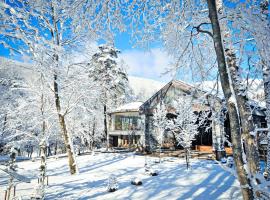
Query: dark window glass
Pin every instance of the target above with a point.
(126, 123)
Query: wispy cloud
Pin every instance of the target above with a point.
(149, 64)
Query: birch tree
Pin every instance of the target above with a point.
(55, 28)
(160, 123)
(257, 18)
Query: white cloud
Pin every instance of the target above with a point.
(149, 64)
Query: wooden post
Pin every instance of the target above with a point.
(47, 180)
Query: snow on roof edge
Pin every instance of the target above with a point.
(133, 106)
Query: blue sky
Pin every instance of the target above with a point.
(147, 63)
(141, 62)
(4, 52)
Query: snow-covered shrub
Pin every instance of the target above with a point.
(230, 161)
(223, 160)
(112, 184)
(210, 157)
(265, 174)
(147, 167)
(136, 181)
(153, 172)
(150, 171)
(40, 191)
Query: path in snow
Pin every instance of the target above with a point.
(206, 180)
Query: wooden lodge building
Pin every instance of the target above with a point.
(132, 124)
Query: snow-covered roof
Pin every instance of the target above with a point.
(133, 106)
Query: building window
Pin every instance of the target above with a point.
(263, 125)
(125, 123)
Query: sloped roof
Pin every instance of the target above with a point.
(185, 87)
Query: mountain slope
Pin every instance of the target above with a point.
(144, 88)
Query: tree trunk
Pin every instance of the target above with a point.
(5, 123)
(55, 148)
(244, 111)
(93, 131)
(266, 76)
(42, 149)
(42, 168)
(160, 153)
(68, 143)
(247, 124)
(237, 154)
(67, 140)
(11, 166)
(266, 82)
(187, 157)
(56, 36)
(246, 187)
(31, 151)
(105, 127)
(92, 134)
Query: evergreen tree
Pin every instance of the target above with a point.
(111, 78)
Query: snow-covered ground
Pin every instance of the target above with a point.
(206, 180)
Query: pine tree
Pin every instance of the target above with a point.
(111, 78)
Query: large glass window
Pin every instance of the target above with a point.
(127, 123)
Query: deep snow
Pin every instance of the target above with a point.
(206, 179)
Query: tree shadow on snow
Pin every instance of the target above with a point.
(64, 169)
(166, 186)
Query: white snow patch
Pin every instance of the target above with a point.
(206, 180)
(232, 100)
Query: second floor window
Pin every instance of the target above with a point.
(127, 123)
